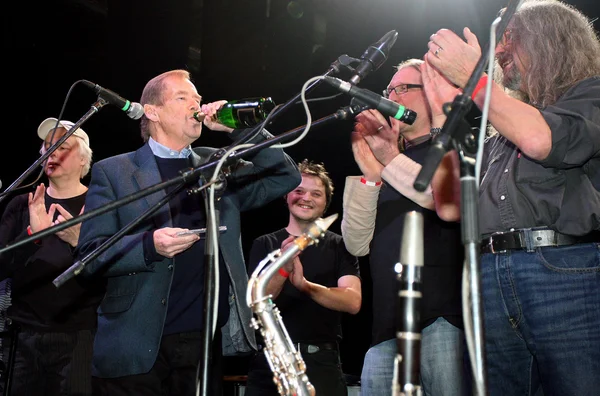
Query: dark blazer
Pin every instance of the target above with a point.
(132, 314)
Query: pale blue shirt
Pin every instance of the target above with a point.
(164, 152)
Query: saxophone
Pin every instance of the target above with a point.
(286, 363)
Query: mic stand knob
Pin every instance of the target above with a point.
(344, 61)
(219, 186)
(220, 183)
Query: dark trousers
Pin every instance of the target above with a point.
(174, 372)
(48, 364)
(323, 368)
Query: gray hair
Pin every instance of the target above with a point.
(562, 47)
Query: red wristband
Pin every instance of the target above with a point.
(370, 183)
(29, 232)
(283, 272)
(480, 84)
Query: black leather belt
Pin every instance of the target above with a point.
(527, 239)
(316, 347)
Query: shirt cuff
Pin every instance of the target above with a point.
(150, 253)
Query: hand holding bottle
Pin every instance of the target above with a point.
(210, 116)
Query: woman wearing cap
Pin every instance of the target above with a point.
(57, 325)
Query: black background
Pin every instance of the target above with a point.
(234, 49)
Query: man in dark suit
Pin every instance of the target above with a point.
(150, 322)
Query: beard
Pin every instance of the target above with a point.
(511, 77)
(512, 80)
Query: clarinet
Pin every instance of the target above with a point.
(286, 363)
(408, 337)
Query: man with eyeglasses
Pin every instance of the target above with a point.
(389, 155)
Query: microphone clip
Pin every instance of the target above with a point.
(220, 184)
(344, 62)
(350, 111)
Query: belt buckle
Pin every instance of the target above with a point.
(491, 244)
(309, 348)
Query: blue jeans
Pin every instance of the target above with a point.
(542, 320)
(442, 363)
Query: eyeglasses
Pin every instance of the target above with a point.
(400, 89)
(507, 38)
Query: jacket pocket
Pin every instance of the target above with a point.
(116, 304)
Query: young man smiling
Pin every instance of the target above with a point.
(311, 291)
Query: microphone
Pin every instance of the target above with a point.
(385, 106)
(132, 109)
(374, 56)
(408, 336)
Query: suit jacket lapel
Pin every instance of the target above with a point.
(147, 175)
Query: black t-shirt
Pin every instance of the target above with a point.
(443, 260)
(36, 302)
(323, 263)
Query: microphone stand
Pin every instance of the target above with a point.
(93, 110)
(335, 67)
(456, 133)
(211, 269)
